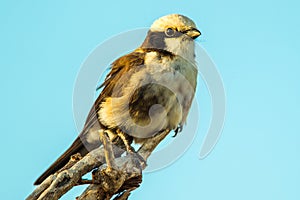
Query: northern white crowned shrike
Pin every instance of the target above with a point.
(147, 91)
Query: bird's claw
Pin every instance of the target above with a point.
(177, 130)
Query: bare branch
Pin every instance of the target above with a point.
(151, 143)
(118, 181)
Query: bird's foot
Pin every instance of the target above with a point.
(177, 130)
(137, 159)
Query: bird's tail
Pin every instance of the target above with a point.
(76, 147)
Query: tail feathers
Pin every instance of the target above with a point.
(76, 147)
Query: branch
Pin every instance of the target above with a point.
(124, 177)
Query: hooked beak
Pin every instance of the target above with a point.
(193, 33)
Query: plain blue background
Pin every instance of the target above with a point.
(255, 45)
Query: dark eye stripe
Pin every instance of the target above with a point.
(157, 39)
(177, 34)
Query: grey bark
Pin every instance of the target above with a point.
(116, 182)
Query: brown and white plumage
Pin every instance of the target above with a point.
(146, 91)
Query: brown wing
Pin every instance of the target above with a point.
(111, 85)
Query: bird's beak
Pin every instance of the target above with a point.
(193, 33)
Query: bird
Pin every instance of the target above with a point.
(145, 92)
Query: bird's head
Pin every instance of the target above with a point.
(174, 33)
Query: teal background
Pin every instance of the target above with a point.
(255, 45)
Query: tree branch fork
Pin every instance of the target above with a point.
(115, 179)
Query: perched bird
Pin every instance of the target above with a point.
(146, 91)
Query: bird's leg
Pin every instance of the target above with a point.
(139, 160)
(108, 150)
(123, 137)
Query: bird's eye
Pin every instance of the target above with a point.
(170, 32)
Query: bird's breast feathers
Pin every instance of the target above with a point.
(149, 96)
